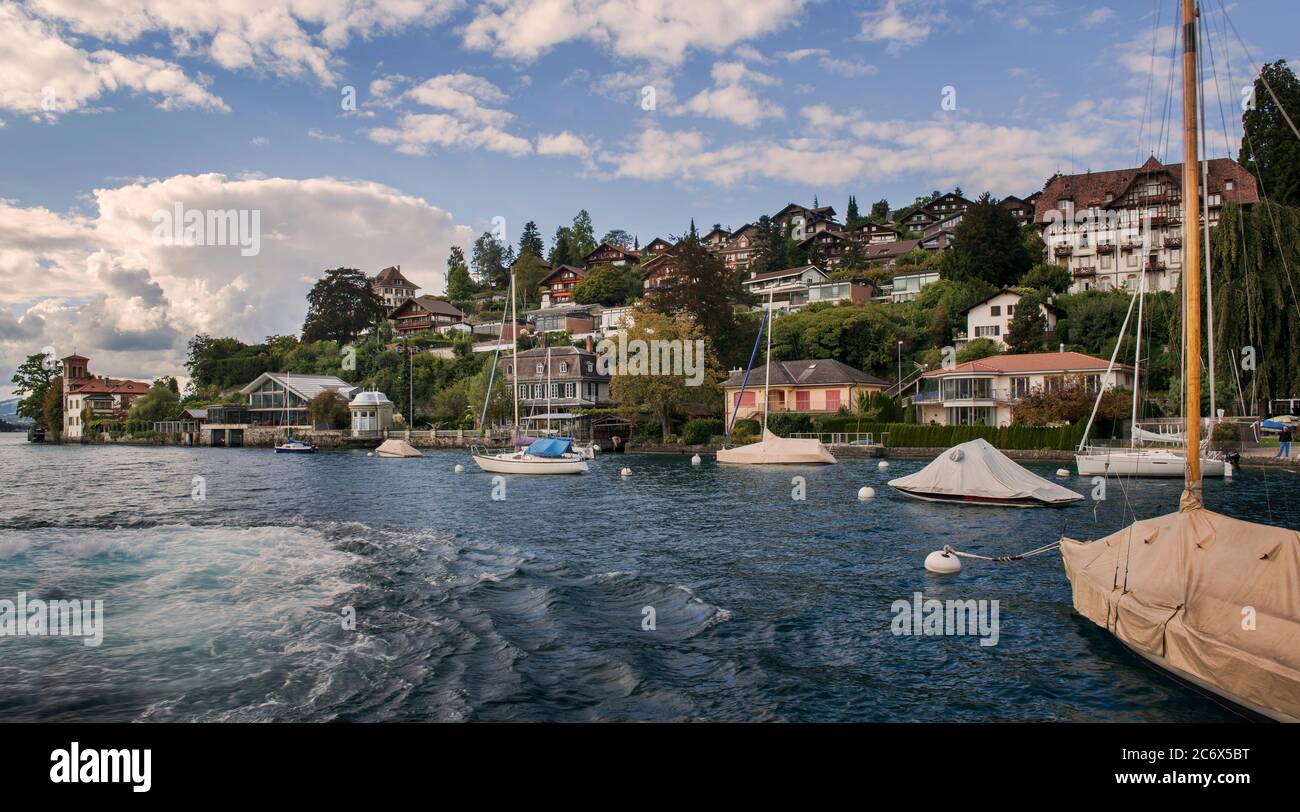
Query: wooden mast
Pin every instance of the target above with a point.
(1192, 261)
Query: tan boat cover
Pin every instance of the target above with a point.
(398, 448)
(978, 469)
(773, 450)
(1188, 587)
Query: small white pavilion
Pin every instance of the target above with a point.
(372, 412)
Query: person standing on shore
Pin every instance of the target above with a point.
(1284, 443)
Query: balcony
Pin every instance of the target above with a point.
(1130, 246)
(1153, 267)
(1173, 242)
(1105, 248)
(1063, 250)
(927, 397)
(1080, 273)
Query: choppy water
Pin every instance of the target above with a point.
(530, 608)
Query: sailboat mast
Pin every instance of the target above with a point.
(1192, 259)
(767, 366)
(514, 354)
(1137, 360)
(548, 389)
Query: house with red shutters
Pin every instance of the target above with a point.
(87, 397)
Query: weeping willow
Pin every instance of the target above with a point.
(1256, 305)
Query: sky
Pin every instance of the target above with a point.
(369, 133)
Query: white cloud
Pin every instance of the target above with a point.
(319, 135)
(847, 67)
(565, 143)
(802, 53)
(44, 75)
(732, 99)
(661, 31)
(100, 284)
(467, 123)
(287, 37)
(1098, 16)
(259, 141)
(895, 24)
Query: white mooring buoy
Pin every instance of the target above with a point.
(370, 453)
(942, 562)
(866, 492)
(626, 472)
(883, 464)
(460, 469)
(1062, 472)
(695, 460)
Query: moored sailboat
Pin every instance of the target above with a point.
(1206, 598)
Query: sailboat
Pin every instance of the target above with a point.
(549, 455)
(771, 450)
(1207, 599)
(1134, 460)
(291, 445)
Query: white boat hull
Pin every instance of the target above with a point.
(521, 463)
(1143, 464)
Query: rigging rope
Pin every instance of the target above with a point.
(1046, 548)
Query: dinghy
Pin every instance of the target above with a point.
(976, 473)
(397, 448)
(1209, 600)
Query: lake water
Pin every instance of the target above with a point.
(234, 607)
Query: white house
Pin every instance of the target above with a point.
(992, 317)
(786, 289)
(984, 392)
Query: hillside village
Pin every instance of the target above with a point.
(1023, 296)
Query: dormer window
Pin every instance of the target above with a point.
(540, 368)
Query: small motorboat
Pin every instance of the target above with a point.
(976, 473)
(292, 446)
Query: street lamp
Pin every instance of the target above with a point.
(900, 369)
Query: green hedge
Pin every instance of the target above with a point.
(700, 431)
(908, 435)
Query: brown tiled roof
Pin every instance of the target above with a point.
(888, 250)
(574, 268)
(1063, 362)
(436, 306)
(817, 372)
(109, 386)
(1091, 188)
(778, 274)
(393, 278)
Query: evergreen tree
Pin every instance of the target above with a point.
(989, 246)
(492, 261)
(1028, 329)
(708, 292)
(879, 211)
(584, 234)
(460, 286)
(530, 241)
(564, 250)
(1270, 149)
(851, 215)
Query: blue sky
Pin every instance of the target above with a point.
(523, 110)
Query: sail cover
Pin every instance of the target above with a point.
(1216, 597)
(773, 450)
(976, 469)
(550, 447)
(397, 448)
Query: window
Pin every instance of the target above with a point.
(564, 367)
(803, 400)
(1019, 387)
(968, 389)
(1011, 311)
(995, 310)
(590, 366)
(832, 400)
(985, 330)
(540, 368)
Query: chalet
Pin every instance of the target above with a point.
(985, 392)
(801, 221)
(739, 251)
(991, 318)
(937, 240)
(392, 287)
(887, 253)
(576, 320)
(945, 205)
(1108, 228)
(574, 379)
(657, 246)
(829, 247)
(426, 313)
(557, 286)
(784, 290)
(716, 240)
(871, 233)
(918, 220)
(1022, 210)
(948, 224)
(87, 397)
(275, 399)
(816, 387)
(658, 273)
(606, 254)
